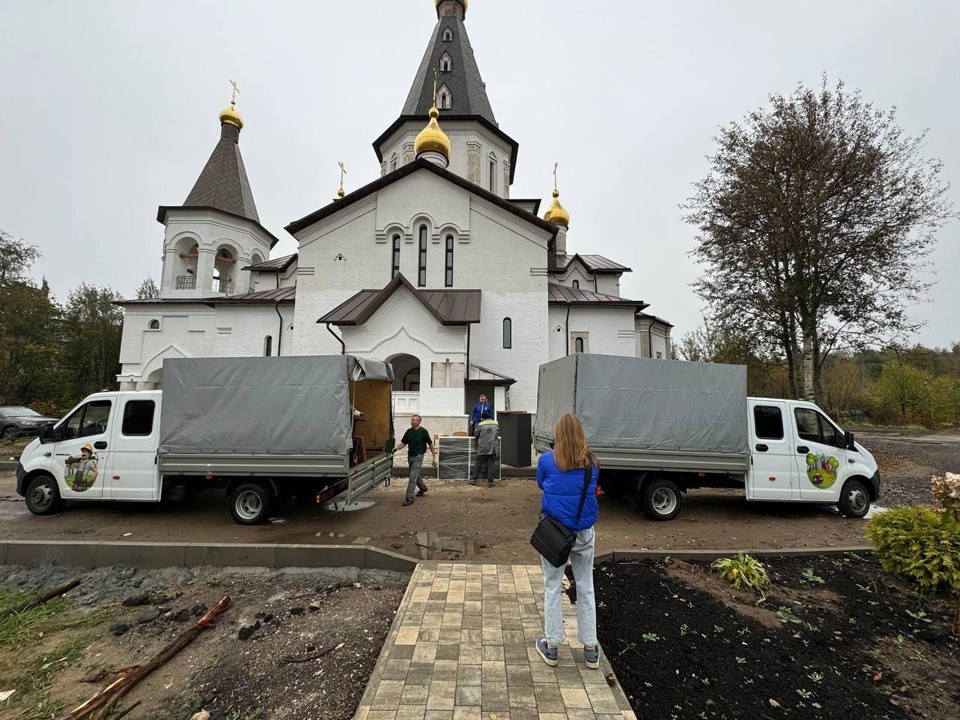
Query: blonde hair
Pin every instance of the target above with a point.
(570, 449)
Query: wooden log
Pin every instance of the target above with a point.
(102, 703)
(44, 597)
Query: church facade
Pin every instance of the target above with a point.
(432, 266)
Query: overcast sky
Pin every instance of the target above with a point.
(109, 109)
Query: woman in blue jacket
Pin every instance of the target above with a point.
(560, 475)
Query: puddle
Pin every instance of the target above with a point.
(343, 506)
(434, 546)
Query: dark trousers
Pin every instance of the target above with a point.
(486, 467)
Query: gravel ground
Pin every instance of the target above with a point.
(907, 464)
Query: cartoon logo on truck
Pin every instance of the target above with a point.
(822, 470)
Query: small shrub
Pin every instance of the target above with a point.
(921, 546)
(742, 571)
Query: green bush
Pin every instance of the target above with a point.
(920, 545)
(742, 571)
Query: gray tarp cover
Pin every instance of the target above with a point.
(275, 405)
(638, 403)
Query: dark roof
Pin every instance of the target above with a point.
(223, 183)
(281, 295)
(277, 265)
(409, 169)
(449, 307)
(563, 295)
(593, 263)
(531, 205)
(464, 81)
(645, 316)
(164, 209)
(470, 101)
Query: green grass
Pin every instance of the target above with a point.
(34, 681)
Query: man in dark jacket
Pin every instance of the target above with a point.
(486, 433)
(476, 415)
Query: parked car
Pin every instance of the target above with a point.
(18, 420)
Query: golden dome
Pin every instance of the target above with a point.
(556, 213)
(231, 116)
(432, 138)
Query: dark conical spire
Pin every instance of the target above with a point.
(223, 183)
(467, 92)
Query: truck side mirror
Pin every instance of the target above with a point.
(46, 433)
(851, 445)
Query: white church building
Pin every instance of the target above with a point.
(432, 266)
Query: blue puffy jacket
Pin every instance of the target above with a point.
(561, 493)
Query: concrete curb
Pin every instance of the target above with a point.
(149, 556)
(8, 466)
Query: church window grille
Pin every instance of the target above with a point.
(448, 274)
(576, 284)
(507, 333)
(395, 262)
(154, 324)
(447, 35)
(578, 345)
(268, 346)
(422, 272)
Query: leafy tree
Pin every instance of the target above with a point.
(845, 383)
(148, 290)
(16, 258)
(93, 327)
(902, 386)
(814, 219)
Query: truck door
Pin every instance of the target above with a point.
(88, 424)
(821, 457)
(773, 469)
(133, 473)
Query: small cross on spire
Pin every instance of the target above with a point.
(343, 171)
(233, 95)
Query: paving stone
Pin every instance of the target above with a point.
(549, 699)
(494, 671)
(442, 695)
(522, 697)
(468, 695)
(519, 676)
(445, 670)
(493, 652)
(471, 713)
(602, 699)
(428, 635)
(414, 712)
(448, 651)
(575, 698)
(415, 695)
(420, 674)
(495, 697)
(468, 674)
(396, 670)
(426, 652)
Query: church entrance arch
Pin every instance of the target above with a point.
(406, 384)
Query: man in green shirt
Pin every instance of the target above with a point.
(417, 439)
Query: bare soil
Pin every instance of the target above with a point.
(835, 638)
(291, 646)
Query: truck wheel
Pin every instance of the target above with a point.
(854, 500)
(251, 504)
(43, 496)
(661, 499)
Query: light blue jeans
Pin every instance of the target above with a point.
(581, 557)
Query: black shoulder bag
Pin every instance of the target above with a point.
(552, 538)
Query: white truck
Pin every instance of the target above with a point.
(661, 427)
(265, 430)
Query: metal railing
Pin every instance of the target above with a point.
(186, 282)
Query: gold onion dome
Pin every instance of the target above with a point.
(556, 213)
(432, 138)
(231, 116)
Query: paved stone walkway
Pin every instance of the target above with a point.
(461, 648)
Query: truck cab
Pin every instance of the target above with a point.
(800, 454)
(122, 430)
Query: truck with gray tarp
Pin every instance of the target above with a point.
(265, 430)
(662, 427)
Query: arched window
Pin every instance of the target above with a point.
(493, 174)
(154, 324)
(448, 272)
(268, 346)
(394, 162)
(447, 35)
(446, 63)
(444, 98)
(576, 284)
(422, 271)
(507, 333)
(395, 262)
(578, 345)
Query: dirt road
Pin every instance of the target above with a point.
(455, 520)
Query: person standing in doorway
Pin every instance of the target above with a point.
(417, 439)
(561, 474)
(486, 433)
(476, 415)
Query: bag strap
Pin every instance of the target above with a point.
(587, 477)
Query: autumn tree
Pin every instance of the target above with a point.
(93, 328)
(148, 290)
(813, 221)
